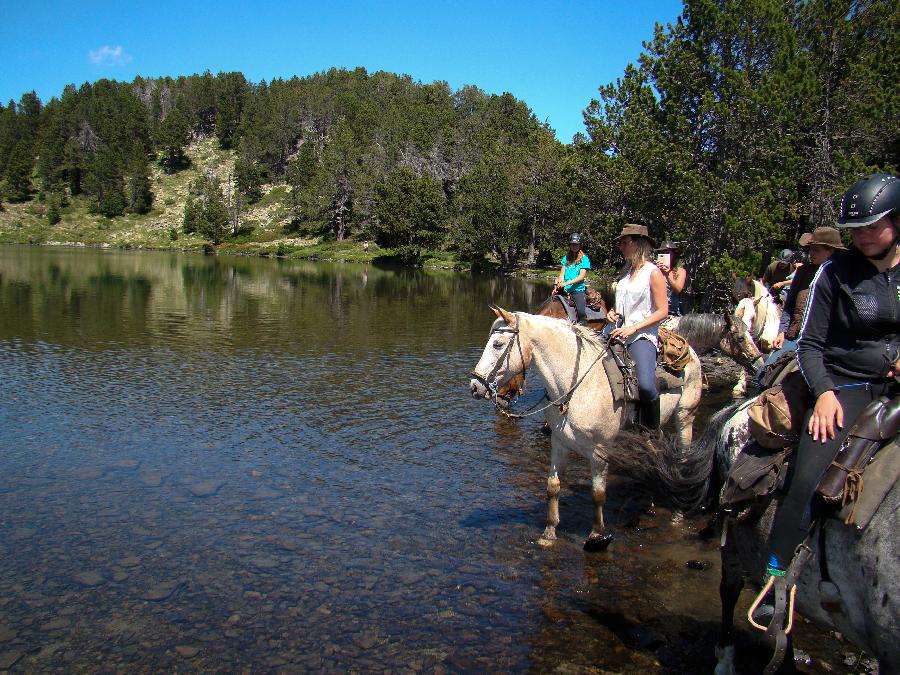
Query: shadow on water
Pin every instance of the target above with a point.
(216, 463)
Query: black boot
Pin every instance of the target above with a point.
(649, 417)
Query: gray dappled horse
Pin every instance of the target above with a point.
(862, 564)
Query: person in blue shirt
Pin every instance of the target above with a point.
(573, 271)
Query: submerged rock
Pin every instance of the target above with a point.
(90, 578)
(206, 488)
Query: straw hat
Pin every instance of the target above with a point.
(634, 230)
(823, 236)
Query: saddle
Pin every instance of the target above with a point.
(593, 305)
(871, 449)
(622, 376)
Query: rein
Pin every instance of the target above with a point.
(490, 384)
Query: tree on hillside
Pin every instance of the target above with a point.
(205, 211)
(17, 182)
(249, 178)
(139, 194)
(172, 137)
(105, 182)
(411, 213)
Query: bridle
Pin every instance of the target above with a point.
(491, 385)
(489, 381)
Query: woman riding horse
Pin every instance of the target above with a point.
(849, 349)
(572, 274)
(641, 305)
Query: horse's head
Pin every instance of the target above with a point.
(745, 312)
(737, 343)
(506, 356)
(768, 316)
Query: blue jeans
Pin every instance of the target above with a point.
(644, 354)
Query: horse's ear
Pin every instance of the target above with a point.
(729, 318)
(756, 302)
(501, 313)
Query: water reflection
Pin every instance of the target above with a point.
(244, 464)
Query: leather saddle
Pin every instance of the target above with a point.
(622, 376)
(593, 306)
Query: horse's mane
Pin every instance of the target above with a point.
(702, 331)
(591, 337)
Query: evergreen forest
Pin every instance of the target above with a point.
(736, 130)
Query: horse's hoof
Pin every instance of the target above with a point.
(597, 542)
(545, 429)
(546, 543)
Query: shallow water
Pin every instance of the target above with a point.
(245, 464)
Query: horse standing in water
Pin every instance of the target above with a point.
(861, 564)
(582, 413)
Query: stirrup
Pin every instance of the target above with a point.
(791, 594)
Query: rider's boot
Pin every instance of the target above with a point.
(649, 417)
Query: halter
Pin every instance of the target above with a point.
(491, 385)
(489, 380)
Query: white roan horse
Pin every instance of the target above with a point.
(761, 316)
(863, 565)
(568, 359)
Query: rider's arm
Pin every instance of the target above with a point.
(814, 331)
(677, 279)
(787, 313)
(561, 276)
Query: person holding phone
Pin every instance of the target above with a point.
(668, 260)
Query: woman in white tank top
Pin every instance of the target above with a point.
(641, 305)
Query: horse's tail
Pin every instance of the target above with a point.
(688, 479)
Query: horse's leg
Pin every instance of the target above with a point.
(729, 589)
(559, 455)
(598, 539)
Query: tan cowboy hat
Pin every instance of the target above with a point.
(634, 230)
(823, 236)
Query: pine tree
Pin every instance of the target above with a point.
(17, 183)
(171, 139)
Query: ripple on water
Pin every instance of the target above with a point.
(277, 466)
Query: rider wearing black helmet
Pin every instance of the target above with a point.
(573, 271)
(849, 346)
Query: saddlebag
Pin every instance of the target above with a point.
(776, 417)
(756, 475)
(674, 352)
(843, 479)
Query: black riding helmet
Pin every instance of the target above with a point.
(575, 238)
(869, 200)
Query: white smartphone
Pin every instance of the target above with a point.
(664, 258)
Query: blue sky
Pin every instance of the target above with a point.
(553, 55)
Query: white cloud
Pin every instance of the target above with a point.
(109, 56)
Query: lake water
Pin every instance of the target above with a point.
(242, 464)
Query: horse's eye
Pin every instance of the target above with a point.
(498, 344)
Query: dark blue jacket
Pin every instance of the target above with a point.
(851, 324)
